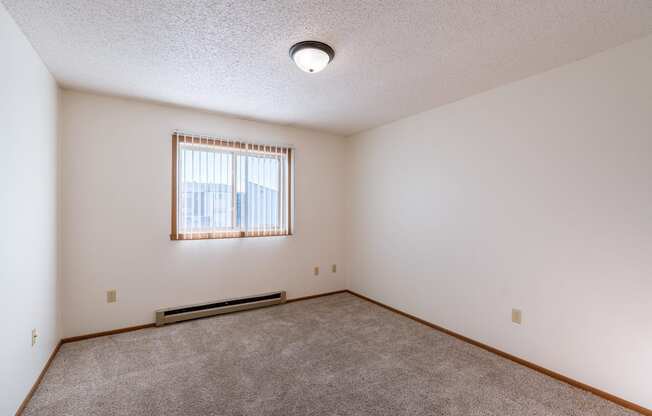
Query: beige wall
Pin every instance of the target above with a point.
(536, 195)
(28, 215)
(116, 216)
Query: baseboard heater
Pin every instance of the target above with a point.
(202, 310)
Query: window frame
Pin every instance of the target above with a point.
(264, 149)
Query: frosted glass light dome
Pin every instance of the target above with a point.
(311, 56)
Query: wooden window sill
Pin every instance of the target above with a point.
(221, 236)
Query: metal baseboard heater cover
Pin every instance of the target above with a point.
(202, 310)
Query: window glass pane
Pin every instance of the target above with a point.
(262, 192)
(241, 188)
(227, 189)
(206, 188)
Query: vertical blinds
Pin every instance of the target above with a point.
(229, 188)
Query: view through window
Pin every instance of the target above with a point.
(227, 189)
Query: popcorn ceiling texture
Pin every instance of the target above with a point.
(393, 58)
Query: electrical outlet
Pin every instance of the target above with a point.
(334, 268)
(111, 296)
(516, 316)
(34, 336)
(316, 271)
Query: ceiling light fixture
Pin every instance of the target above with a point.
(311, 56)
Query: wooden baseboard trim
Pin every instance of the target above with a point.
(23, 405)
(105, 333)
(114, 332)
(607, 396)
(316, 296)
(603, 394)
(137, 327)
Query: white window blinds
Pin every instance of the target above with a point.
(226, 189)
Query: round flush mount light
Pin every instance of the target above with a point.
(311, 56)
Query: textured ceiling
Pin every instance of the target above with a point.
(393, 58)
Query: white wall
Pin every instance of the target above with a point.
(536, 195)
(116, 178)
(28, 215)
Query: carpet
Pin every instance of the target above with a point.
(334, 355)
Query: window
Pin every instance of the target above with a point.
(229, 189)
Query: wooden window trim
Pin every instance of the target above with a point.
(256, 148)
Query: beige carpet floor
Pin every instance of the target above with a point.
(335, 355)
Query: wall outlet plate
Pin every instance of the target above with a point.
(111, 296)
(34, 336)
(316, 271)
(517, 316)
(334, 268)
